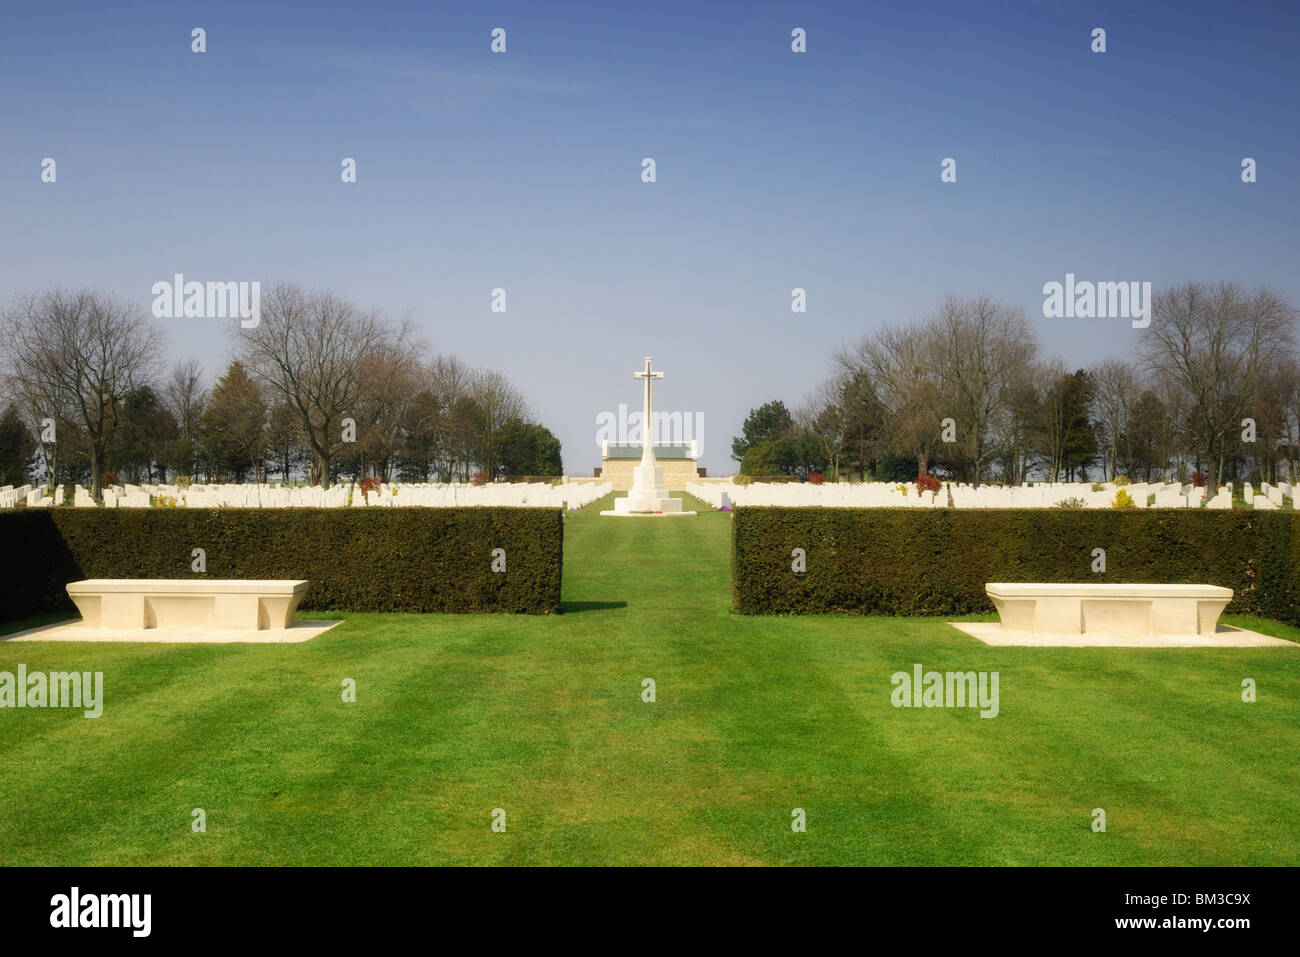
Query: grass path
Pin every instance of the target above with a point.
(458, 715)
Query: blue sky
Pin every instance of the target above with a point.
(775, 170)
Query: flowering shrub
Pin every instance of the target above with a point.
(1197, 479)
(368, 485)
(108, 477)
(480, 478)
(816, 478)
(1122, 480)
(1122, 500)
(925, 482)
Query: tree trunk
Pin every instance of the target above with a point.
(51, 462)
(96, 473)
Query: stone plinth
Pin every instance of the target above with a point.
(134, 603)
(1111, 609)
(648, 497)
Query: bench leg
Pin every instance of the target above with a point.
(277, 611)
(1207, 615)
(1016, 614)
(90, 607)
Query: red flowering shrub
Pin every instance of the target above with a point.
(816, 478)
(1198, 479)
(108, 477)
(480, 478)
(369, 485)
(925, 482)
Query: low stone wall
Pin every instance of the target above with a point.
(677, 473)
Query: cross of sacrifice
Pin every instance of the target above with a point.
(647, 422)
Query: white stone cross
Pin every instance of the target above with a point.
(647, 422)
(648, 495)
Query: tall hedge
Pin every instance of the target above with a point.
(875, 561)
(373, 559)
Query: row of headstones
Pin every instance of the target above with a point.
(845, 495)
(893, 495)
(39, 497)
(114, 496)
(1039, 495)
(10, 496)
(516, 494)
(1268, 496)
(512, 494)
(257, 496)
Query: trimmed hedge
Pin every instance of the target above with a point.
(373, 559)
(874, 561)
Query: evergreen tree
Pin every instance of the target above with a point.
(17, 447)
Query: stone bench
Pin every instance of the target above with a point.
(186, 603)
(1110, 609)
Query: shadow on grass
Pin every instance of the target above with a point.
(573, 607)
(36, 621)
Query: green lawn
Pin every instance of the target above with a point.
(542, 716)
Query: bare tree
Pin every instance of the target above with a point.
(1270, 414)
(1116, 388)
(391, 378)
(449, 384)
(185, 395)
(83, 351)
(978, 344)
(308, 348)
(187, 400)
(1177, 447)
(1288, 386)
(823, 417)
(1215, 342)
(496, 403)
(898, 363)
(1020, 425)
(43, 406)
(1047, 421)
